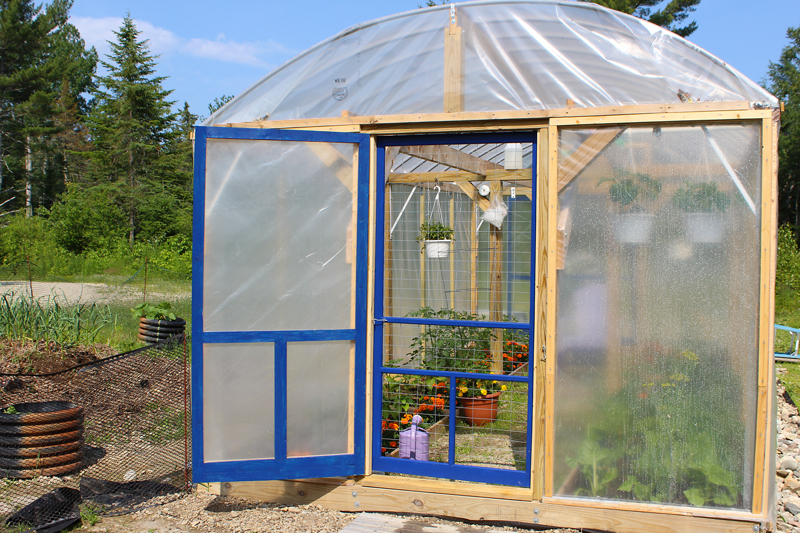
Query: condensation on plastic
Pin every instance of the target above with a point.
(517, 56)
(238, 401)
(319, 393)
(658, 333)
(277, 233)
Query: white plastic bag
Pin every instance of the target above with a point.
(496, 213)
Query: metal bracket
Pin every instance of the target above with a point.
(377, 321)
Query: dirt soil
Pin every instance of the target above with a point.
(200, 512)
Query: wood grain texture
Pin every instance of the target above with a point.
(539, 319)
(344, 497)
(448, 156)
(460, 175)
(585, 154)
(487, 118)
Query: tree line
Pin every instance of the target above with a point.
(89, 162)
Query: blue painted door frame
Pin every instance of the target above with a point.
(448, 470)
(281, 467)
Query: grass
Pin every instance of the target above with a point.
(787, 313)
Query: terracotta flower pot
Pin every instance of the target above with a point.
(480, 410)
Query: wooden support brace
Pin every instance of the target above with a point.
(585, 154)
(449, 156)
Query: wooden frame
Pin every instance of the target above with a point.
(538, 505)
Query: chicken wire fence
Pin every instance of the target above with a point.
(101, 438)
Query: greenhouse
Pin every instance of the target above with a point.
(506, 261)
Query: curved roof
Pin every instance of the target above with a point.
(518, 55)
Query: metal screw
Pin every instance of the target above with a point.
(756, 528)
(357, 504)
(535, 520)
(355, 494)
(536, 511)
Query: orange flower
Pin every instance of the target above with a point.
(393, 444)
(383, 450)
(394, 425)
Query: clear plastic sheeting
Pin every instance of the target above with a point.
(517, 56)
(238, 401)
(658, 309)
(279, 236)
(319, 400)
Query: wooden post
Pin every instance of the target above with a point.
(473, 261)
(496, 283)
(453, 66)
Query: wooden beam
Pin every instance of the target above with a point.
(361, 496)
(537, 363)
(585, 154)
(496, 284)
(470, 191)
(708, 110)
(460, 175)
(449, 156)
(335, 161)
(550, 353)
(453, 65)
(764, 445)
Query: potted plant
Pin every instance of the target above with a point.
(704, 205)
(632, 194)
(435, 238)
(460, 349)
(157, 322)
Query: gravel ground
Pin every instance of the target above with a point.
(83, 292)
(200, 512)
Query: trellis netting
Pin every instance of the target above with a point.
(517, 56)
(104, 437)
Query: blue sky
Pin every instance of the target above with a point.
(213, 48)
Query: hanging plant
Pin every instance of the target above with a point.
(431, 230)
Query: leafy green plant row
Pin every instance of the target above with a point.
(49, 319)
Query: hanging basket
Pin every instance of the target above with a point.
(437, 249)
(705, 227)
(633, 228)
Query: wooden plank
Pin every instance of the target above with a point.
(335, 161)
(453, 66)
(358, 497)
(660, 118)
(382, 523)
(539, 318)
(438, 486)
(488, 117)
(452, 256)
(470, 191)
(762, 479)
(460, 175)
(473, 261)
(638, 507)
(370, 306)
(496, 284)
(551, 309)
(585, 154)
(449, 156)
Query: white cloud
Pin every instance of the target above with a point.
(98, 31)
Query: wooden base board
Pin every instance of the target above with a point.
(371, 495)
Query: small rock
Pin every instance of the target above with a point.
(792, 485)
(294, 510)
(130, 475)
(234, 514)
(789, 463)
(792, 508)
(783, 473)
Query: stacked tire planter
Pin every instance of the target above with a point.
(155, 331)
(41, 439)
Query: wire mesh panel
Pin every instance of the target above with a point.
(107, 435)
(456, 301)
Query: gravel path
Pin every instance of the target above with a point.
(787, 479)
(84, 292)
(200, 513)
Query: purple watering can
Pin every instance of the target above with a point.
(414, 441)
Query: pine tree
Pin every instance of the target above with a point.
(38, 49)
(784, 79)
(131, 125)
(674, 13)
